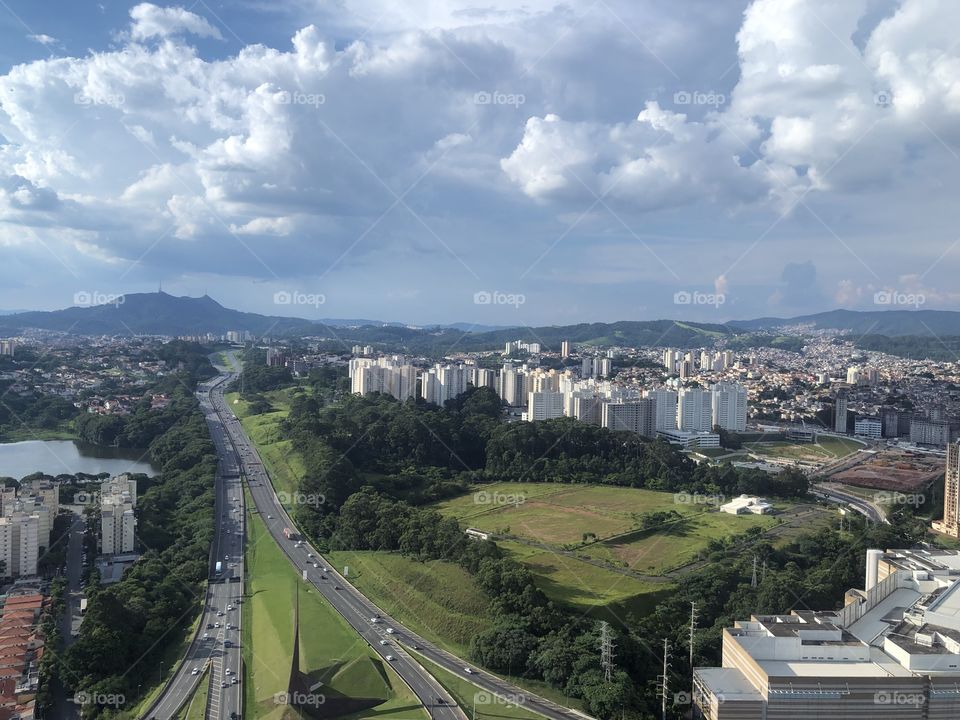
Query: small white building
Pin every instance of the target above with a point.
(747, 504)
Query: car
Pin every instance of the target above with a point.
(390, 658)
(206, 636)
(228, 671)
(374, 620)
(269, 517)
(229, 626)
(390, 631)
(229, 607)
(416, 647)
(223, 684)
(209, 626)
(227, 643)
(309, 555)
(337, 587)
(323, 577)
(315, 565)
(441, 701)
(196, 671)
(219, 614)
(235, 680)
(383, 642)
(216, 625)
(468, 671)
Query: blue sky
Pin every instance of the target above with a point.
(567, 162)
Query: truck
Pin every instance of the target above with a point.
(219, 568)
(290, 534)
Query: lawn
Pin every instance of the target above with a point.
(355, 680)
(839, 447)
(281, 462)
(438, 600)
(825, 449)
(478, 704)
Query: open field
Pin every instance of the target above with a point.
(438, 600)
(279, 458)
(839, 447)
(356, 681)
(892, 469)
(825, 450)
(196, 706)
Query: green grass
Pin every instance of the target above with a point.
(472, 699)
(356, 681)
(279, 458)
(438, 600)
(826, 448)
(64, 432)
(839, 447)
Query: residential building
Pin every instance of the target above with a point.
(19, 544)
(443, 382)
(950, 524)
(118, 523)
(840, 411)
(868, 427)
(666, 401)
(544, 406)
(729, 406)
(8, 347)
(930, 432)
(638, 416)
(694, 410)
(565, 349)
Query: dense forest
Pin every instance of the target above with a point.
(377, 462)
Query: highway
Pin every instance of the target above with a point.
(216, 645)
(384, 634)
(866, 508)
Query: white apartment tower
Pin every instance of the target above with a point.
(19, 544)
(666, 408)
(639, 416)
(118, 522)
(544, 405)
(729, 406)
(694, 410)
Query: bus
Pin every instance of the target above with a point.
(219, 567)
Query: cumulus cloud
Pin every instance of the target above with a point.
(151, 21)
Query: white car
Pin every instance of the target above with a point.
(196, 671)
(390, 631)
(374, 620)
(383, 642)
(390, 658)
(228, 671)
(468, 671)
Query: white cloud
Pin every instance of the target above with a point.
(152, 21)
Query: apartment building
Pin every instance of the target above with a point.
(666, 403)
(950, 524)
(638, 416)
(544, 406)
(118, 522)
(729, 406)
(892, 651)
(19, 544)
(694, 410)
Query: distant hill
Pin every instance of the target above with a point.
(154, 314)
(892, 323)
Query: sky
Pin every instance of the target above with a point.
(484, 161)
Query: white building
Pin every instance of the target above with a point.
(666, 401)
(544, 406)
(746, 505)
(19, 544)
(694, 410)
(729, 406)
(388, 375)
(118, 523)
(868, 427)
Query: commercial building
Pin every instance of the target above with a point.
(689, 440)
(868, 427)
(893, 651)
(747, 505)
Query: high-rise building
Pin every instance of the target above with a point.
(118, 498)
(666, 408)
(694, 410)
(565, 349)
(950, 524)
(840, 412)
(853, 375)
(670, 359)
(8, 347)
(729, 406)
(930, 432)
(544, 405)
(443, 382)
(584, 406)
(638, 416)
(868, 427)
(512, 385)
(890, 421)
(19, 544)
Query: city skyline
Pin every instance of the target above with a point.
(500, 165)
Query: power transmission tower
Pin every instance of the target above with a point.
(606, 651)
(693, 628)
(763, 572)
(663, 680)
(753, 580)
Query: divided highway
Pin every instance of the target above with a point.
(216, 645)
(386, 636)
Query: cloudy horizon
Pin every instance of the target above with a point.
(504, 164)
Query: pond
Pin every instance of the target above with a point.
(56, 457)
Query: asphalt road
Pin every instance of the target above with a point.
(217, 642)
(864, 507)
(384, 634)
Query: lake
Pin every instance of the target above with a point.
(56, 457)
